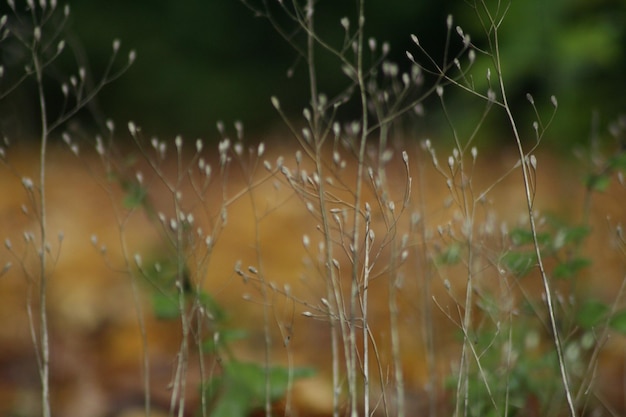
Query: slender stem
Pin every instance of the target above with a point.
(354, 292)
(43, 283)
(533, 228)
(333, 288)
(141, 322)
(182, 300)
(310, 25)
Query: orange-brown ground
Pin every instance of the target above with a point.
(95, 342)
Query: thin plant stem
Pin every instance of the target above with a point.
(355, 282)
(43, 249)
(529, 201)
(333, 288)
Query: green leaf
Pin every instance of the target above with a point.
(211, 306)
(241, 389)
(211, 388)
(519, 263)
(451, 255)
(618, 162)
(279, 380)
(165, 272)
(233, 403)
(618, 322)
(592, 313)
(162, 275)
(570, 236)
(252, 377)
(598, 182)
(570, 268)
(520, 237)
(165, 306)
(210, 345)
(135, 195)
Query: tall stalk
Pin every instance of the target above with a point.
(43, 355)
(356, 256)
(39, 35)
(333, 289)
(556, 337)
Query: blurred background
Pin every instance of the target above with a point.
(203, 61)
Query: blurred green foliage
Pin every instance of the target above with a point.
(573, 49)
(199, 62)
(203, 61)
